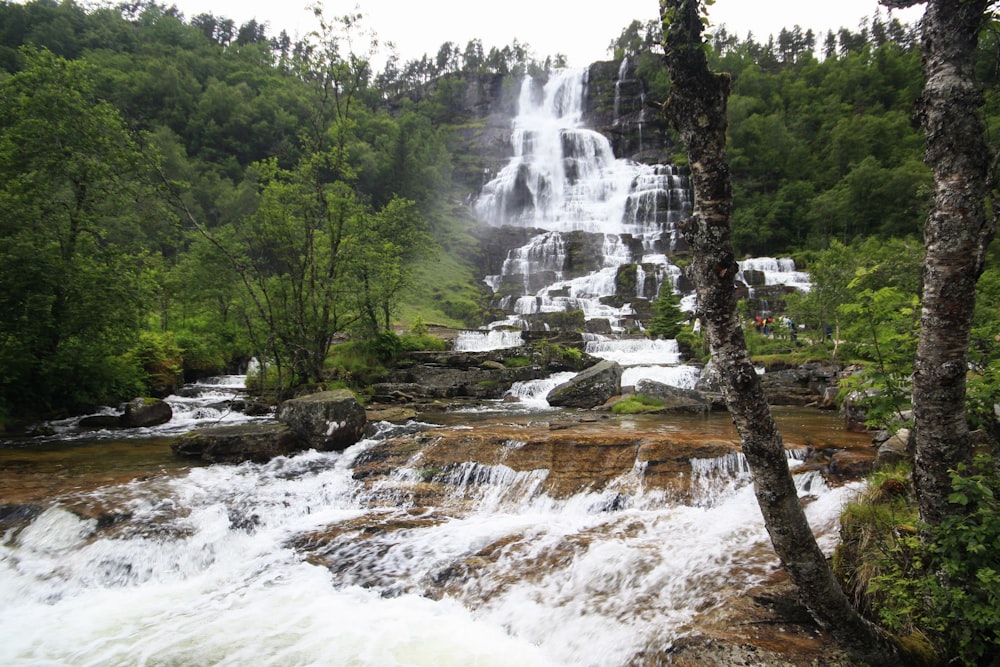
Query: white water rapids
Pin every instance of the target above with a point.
(216, 567)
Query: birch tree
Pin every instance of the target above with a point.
(697, 109)
(956, 235)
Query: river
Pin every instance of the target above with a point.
(115, 552)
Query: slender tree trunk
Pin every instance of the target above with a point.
(956, 236)
(697, 109)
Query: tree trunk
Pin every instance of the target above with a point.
(956, 235)
(697, 109)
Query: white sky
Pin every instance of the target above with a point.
(580, 30)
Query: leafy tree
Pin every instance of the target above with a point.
(883, 332)
(381, 253)
(72, 192)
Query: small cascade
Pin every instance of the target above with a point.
(493, 487)
(532, 394)
(634, 351)
(482, 341)
(212, 401)
(645, 359)
(770, 271)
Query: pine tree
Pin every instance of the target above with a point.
(667, 316)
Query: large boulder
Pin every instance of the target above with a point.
(676, 399)
(893, 448)
(243, 442)
(143, 412)
(593, 387)
(328, 421)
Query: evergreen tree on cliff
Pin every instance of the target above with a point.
(957, 234)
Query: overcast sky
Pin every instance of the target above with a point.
(580, 30)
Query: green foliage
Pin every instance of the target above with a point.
(416, 343)
(72, 237)
(202, 355)
(637, 404)
(554, 354)
(667, 321)
(161, 360)
(354, 365)
(863, 307)
(383, 346)
(883, 332)
(947, 586)
(572, 353)
(517, 362)
(982, 394)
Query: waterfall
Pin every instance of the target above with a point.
(563, 178)
(776, 271)
(597, 214)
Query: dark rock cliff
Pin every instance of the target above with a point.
(617, 107)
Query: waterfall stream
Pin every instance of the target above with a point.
(606, 231)
(300, 562)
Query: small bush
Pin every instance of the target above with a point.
(384, 345)
(353, 364)
(942, 590)
(161, 360)
(517, 362)
(419, 342)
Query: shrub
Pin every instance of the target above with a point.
(415, 342)
(161, 360)
(942, 590)
(384, 345)
(517, 362)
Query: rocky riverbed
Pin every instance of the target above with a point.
(452, 459)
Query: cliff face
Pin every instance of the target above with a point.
(617, 107)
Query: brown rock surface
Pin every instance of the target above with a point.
(578, 455)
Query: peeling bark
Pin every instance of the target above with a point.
(697, 109)
(956, 236)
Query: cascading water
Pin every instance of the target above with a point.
(298, 561)
(606, 224)
(775, 271)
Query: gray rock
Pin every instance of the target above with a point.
(896, 448)
(329, 420)
(243, 442)
(590, 388)
(675, 399)
(142, 412)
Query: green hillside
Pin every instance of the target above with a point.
(180, 194)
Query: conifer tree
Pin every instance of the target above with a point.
(667, 315)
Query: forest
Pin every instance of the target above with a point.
(181, 194)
